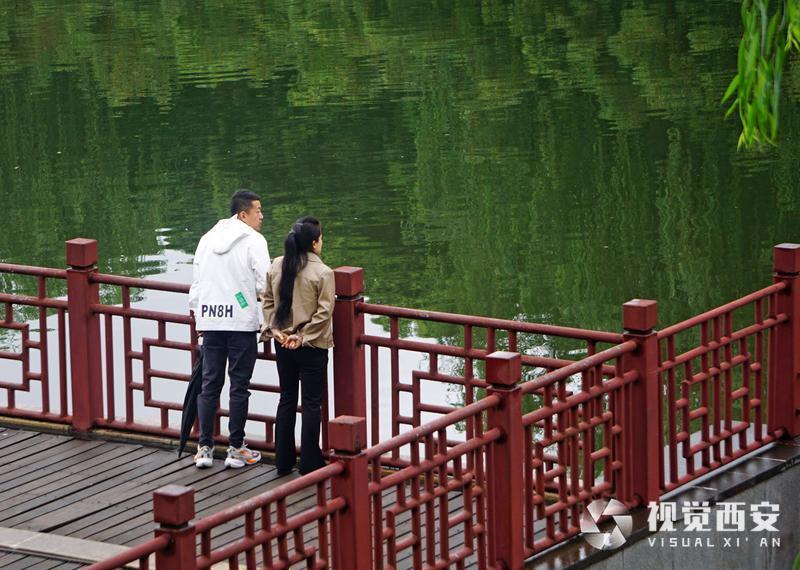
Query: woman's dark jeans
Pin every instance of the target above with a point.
(307, 366)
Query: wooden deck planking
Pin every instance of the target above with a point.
(14, 561)
(209, 498)
(71, 458)
(102, 491)
(141, 505)
(47, 491)
(25, 449)
(72, 470)
(9, 437)
(29, 506)
(143, 478)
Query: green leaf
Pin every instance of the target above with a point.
(731, 88)
(773, 25)
(741, 56)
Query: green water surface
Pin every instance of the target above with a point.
(546, 161)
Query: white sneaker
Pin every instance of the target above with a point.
(239, 457)
(204, 457)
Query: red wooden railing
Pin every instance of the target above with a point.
(99, 334)
(638, 418)
(493, 331)
(41, 302)
(728, 366)
(572, 422)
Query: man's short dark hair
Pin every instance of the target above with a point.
(242, 200)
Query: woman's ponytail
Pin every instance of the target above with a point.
(296, 246)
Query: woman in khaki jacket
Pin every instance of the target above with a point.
(298, 311)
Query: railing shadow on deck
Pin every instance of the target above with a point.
(635, 419)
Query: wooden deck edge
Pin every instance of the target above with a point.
(36, 425)
(57, 547)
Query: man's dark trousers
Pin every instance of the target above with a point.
(239, 349)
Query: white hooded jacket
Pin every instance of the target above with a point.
(230, 268)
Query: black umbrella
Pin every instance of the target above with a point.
(190, 401)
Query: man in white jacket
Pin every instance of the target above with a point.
(230, 268)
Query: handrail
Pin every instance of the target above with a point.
(449, 419)
(489, 322)
(31, 301)
(721, 310)
(723, 341)
(461, 352)
(579, 398)
(442, 459)
(579, 366)
(33, 270)
(141, 313)
(139, 283)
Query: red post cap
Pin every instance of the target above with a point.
(81, 252)
(173, 505)
(639, 315)
(349, 281)
(786, 258)
(347, 434)
(504, 368)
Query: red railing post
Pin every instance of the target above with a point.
(783, 389)
(349, 367)
(506, 466)
(84, 334)
(173, 510)
(643, 452)
(351, 536)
